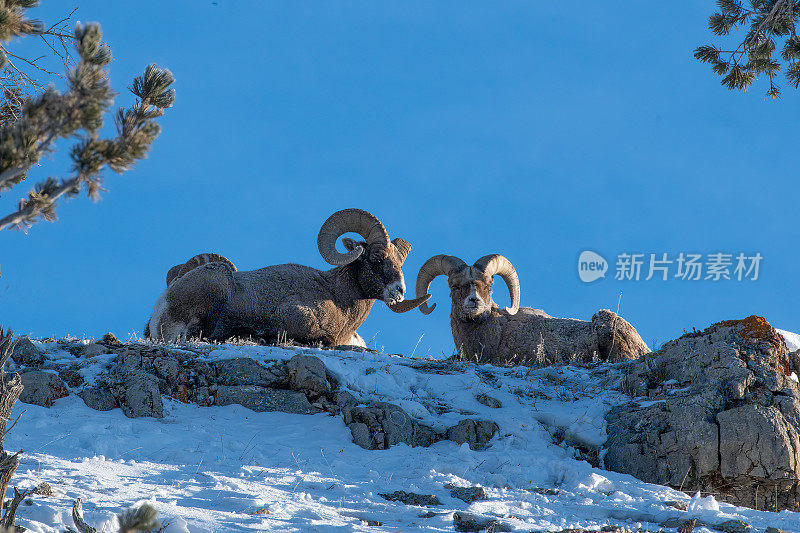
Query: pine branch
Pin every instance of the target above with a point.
(754, 54)
(53, 115)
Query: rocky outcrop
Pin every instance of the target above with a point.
(411, 498)
(139, 375)
(26, 354)
(489, 401)
(264, 399)
(469, 494)
(378, 426)
(99, 398)
(470, 522)
(718, 411)
(41, 388)
(141, 396)
(244, 371)
(476, 433)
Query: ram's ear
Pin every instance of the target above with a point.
(352, 244)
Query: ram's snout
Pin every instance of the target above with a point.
(394, 293)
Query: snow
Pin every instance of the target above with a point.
(792, 340)
(231, 469)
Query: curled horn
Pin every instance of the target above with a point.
(403, 247)
(408, 305)
(435, 266)
(345, 221)
(200, 259)
(496, 264)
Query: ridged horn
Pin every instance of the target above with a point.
(496, 264)
(345, 221)
(438, 265)
(403, 247)
(200, 259)
(407, 305)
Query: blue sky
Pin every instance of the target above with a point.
(535, 130)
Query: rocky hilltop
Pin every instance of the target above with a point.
(714, 412)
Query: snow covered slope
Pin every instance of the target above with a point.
(792, 339)
(231, 469)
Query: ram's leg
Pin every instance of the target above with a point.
(300, 324)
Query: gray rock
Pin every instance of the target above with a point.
(677, 504)
(756, 441)
(733, 526)
(468, 494)
(71, 375)
(130, 361)
(344, 401)
(795, 358)
(774, 529)
(245, 371)
(260, 399)
(488, 401)
(26, 354)
(469, 522)
(411, 498)
(167, 368)
(42, 388)
(98, 398)
(308, 374)
(730, 428)
(93, 350)
(683, 524)
(663, 441)
(43, 489)
(142, 397)
(544, 491)
(362, 435)
(477, 433)
(109, 339)
(383, 425)
(202, 396)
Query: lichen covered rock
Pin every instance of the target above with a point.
(718, 411)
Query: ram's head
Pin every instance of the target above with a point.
(470, 286)
(377, 261)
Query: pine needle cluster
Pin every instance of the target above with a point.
(765, 24)
(79, 113)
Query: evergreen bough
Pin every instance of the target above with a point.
(765, 25)
(77, 112)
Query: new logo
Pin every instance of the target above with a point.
(591, 266)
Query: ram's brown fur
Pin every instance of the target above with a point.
(486, 333)
(215, 301)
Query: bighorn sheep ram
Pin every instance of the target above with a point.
(484, 332)
(207, 297)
